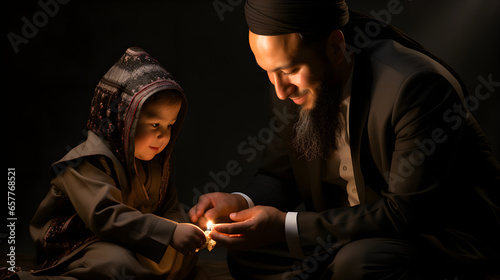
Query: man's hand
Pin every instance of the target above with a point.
(253, 228)
(212, 206)
(187, 238)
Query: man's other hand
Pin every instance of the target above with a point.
(216, 207)
(254, 227)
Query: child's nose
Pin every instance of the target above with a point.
(164, 134)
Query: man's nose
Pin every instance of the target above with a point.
(283, 86)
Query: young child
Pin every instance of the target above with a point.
(111, 212)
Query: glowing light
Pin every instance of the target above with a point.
(209, 225)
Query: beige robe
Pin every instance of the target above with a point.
(120, 240)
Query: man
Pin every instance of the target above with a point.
(395, 175)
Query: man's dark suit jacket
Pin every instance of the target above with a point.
(423, 168)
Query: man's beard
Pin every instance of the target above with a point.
(316, 133)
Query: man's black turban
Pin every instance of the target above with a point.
(277, 17)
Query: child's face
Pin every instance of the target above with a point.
(154, 127)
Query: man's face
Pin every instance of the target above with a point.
(307, 76)
(295, 71)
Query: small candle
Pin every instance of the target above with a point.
(210, 244)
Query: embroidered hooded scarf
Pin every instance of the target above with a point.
(115, 109)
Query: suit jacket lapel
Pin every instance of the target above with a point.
(359, 107)
(308, 176)
(318, 197)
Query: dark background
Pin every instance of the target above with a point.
(47, 86)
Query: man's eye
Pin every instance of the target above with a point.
(291, 72)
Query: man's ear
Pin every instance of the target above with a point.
(336, 46)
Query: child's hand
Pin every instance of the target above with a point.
(187, 238)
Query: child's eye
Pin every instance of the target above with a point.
(155, 125)
(170, 126)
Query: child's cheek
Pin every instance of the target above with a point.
(140, 142)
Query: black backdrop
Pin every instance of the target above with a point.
(47, 84)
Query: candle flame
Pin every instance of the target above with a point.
(209, 225)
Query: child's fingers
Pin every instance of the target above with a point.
(201, 235)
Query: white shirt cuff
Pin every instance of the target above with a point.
(247, 198)
(292, 235)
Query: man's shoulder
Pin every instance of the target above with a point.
(393, 65)
(389, 55)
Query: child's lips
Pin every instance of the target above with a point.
(154, 148)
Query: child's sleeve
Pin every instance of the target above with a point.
(97, 201)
